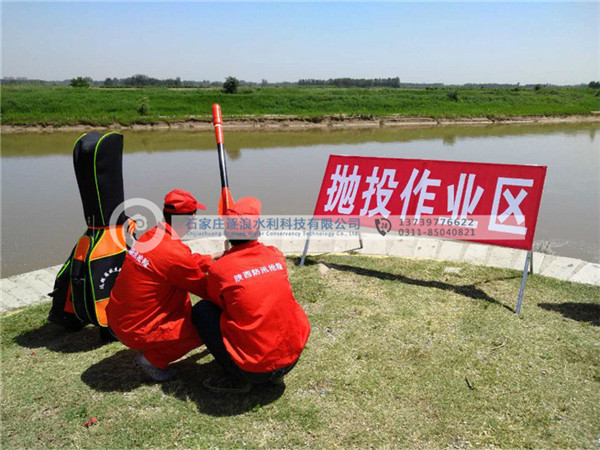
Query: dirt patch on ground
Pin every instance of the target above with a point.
(291, 123)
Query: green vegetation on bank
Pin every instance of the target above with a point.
(402, 354)
(62, 105)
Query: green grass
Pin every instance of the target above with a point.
(401, 354)
(46, 105)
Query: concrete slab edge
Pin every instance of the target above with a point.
(31, 288)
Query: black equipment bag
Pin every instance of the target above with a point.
(82, 286)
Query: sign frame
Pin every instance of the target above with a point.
(528, 246)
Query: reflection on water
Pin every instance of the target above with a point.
(41, 208)
(61, 143)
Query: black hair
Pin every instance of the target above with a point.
(169, 215)
(236, 242)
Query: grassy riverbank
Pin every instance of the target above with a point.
(61, 105)
(401, 354)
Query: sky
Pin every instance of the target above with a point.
(479, 42)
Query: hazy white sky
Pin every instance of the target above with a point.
(419, 42)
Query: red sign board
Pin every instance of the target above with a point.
(495, 204)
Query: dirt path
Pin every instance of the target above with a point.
(291, 123)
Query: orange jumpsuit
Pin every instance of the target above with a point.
(262, 325)
(150, 307)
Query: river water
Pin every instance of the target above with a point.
(42, 217)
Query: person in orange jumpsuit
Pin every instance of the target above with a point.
(249, 320)
(150, 308)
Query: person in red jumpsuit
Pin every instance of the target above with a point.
(249, 320)
(150, 308)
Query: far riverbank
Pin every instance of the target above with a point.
(31, 108)
(295, 123)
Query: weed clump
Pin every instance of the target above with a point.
(144, 106)
(453, 96)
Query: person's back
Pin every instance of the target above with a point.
(263, 326)
(250, 321)
(151, 289)
(150, 307)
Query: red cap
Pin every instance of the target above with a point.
(246, 206)
(179, 201)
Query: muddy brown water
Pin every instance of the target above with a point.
(42, 217)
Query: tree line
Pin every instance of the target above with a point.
(144, 80)
(140, 80)
(352, 82)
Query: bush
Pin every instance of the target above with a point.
(81, 82)
(453, 96)
(231, 85)
(537, 87)
(144, 106)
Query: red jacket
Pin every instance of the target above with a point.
(149, 302)
(263, 326)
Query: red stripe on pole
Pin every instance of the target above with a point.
(219, 133)
(225, 201)
(218, 122)
(216, 110)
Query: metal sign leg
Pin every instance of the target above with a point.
(305, 251)
(531, 263)
(523, 280)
